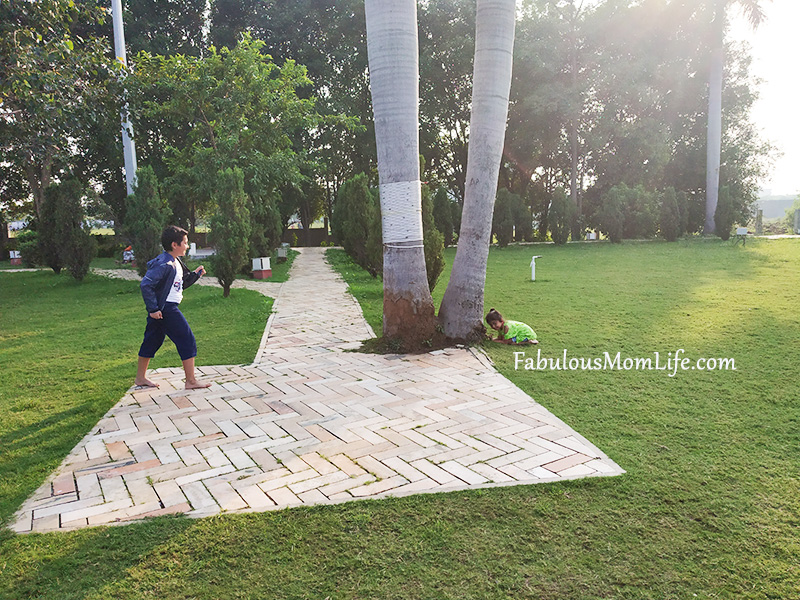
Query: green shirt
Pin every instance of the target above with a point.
(520, 331)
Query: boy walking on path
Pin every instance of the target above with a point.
(162, 289)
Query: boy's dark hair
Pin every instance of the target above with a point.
(493, 316)
(171, 234)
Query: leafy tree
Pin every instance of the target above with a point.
(670, 218)
(230, 227)
(447, 47)
(55, 85)
(328, 37)
(238, 109)
(146, 217)
(561, 215)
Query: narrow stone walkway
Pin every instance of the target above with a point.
(308, 423)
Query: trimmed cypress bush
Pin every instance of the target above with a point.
(433, 239)
(356, 224)
(146, 216)
(230, 227)
(50, 229)
(503, 217)
(611, 216)
(443, 215)
(560, 216)
(670, 218)
(725, 215)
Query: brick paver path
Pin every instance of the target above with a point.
(308, 423)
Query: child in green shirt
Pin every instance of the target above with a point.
(510, 332)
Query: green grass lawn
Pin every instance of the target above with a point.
(708, 508)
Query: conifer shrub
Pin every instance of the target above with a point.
(50, 229)
(433, 239)
(503, 217)
(356, 223)
(443, 215)
(28, 246)
(560, 216)
(230, 227)
(725, 215)
(670, 217)
(611, 216)
(146, 216)
(76, 245)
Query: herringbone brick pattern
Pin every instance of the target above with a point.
(308, 424)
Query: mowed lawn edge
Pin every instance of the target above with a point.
(707, 509)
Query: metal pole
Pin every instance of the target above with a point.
(128, 148)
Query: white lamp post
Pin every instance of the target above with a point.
(128, 148)
(533, 267)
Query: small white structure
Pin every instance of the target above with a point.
(533, 267)
(15, 257)
(193, 249)
(741, 235)
(261, 268)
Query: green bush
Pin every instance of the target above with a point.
(50, 229)
(670, 218)
(76, 246)
(146, 216)
(28, 246)
(611, 216)
(433, 239)
(560, 216)
(443, 215)
(503, 217)
(64, 240)
(108, 246)
(266, 225)
(356, 224)
(725, 215)
(230, 227)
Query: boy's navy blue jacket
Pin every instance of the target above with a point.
(157, 282)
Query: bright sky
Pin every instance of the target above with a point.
(776, 113)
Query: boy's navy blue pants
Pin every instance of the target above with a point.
(172, 324)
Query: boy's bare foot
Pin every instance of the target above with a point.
(144, 383)
(196, 385)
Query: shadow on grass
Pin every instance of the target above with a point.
(71, 565)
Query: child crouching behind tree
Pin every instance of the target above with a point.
(162, 289)
(510, 332)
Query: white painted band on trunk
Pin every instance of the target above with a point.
(401, 211)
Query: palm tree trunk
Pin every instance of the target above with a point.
(714, 134)
(393, 51)
(461, 313)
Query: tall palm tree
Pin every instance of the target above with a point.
(755, 15)
(461, 312)
(393, 51)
